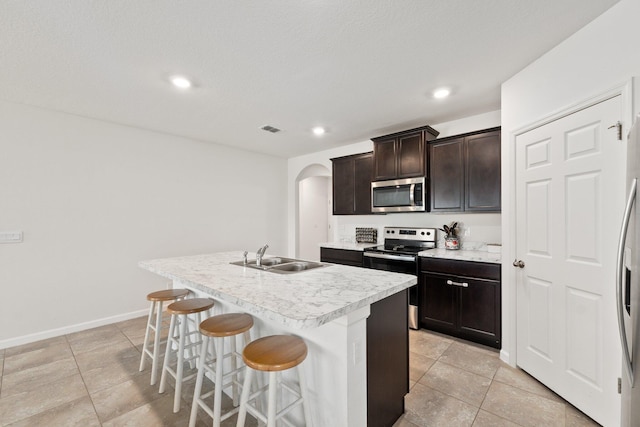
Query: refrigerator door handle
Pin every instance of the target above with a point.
(619, 274)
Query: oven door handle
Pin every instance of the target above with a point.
(391, 257)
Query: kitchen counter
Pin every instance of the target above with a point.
(330, 308)
(463, 255)
(304, 299)
(348, 246)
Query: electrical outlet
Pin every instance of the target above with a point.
(10, 236)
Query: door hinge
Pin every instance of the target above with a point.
(618, 125)
(619, 385)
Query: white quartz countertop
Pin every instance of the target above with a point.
(463, 255)
(348, 246)
(305, 299)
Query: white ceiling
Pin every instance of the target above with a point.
(362, 68)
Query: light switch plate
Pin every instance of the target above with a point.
(10, 236)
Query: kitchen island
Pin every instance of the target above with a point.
(345, 314)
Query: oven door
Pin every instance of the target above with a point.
(398, 264)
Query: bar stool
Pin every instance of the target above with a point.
(157, 300)
(273, 354)
(218, 327)
(180, 312)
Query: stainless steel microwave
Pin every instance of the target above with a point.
(398, 195)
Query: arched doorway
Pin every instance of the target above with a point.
(313, 201)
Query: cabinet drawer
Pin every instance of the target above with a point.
(482, 270)
(341, 256)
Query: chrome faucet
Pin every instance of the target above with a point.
(260, 254)
(244, 257)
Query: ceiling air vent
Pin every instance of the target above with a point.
(270, 129)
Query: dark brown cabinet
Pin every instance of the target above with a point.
(387, 360)
(401, 155)
(341, 256)
(352, 184)
(464, 172)
(461, 298)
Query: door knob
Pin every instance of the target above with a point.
(518, 263)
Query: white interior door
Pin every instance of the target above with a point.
(567, 181)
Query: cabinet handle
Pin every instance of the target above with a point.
(461, 284)
(518, 263)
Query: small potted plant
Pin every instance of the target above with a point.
(451, 240)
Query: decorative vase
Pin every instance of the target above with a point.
(451, 243)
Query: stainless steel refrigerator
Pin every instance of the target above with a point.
(628, 285)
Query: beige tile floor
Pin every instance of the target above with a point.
(456, 383)
(91, 378)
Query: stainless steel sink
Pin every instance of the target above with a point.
(293, 267)
(281, 265)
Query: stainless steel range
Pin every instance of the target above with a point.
(400, 254)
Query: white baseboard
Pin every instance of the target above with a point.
(26, 339)
(506, 358)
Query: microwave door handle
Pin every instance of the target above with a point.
(412, 191)
(619, 273)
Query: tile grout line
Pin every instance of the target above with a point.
(83, 381)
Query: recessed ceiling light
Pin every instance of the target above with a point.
(181, 82)
(318, 130)
(441, 93)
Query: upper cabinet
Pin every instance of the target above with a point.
(352, 184)
(464, 172)
(402, 154)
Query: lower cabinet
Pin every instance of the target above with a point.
(461, 298)
(341, 256)
(387, 359)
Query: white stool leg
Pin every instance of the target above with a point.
(242, 413)
(234, 366)
(156, 344)
(146, 336)
(167, 353)
(303, 393)
(217, 393)
(199, 381)
(273, 396)
(180, 367)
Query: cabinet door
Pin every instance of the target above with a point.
(411, 158)
(363, 171)
(446, 159)
(343, 186)
(438, 309)
(384, 154)
(482, 172)
(479, 305)
(341, 256)
(387, 360)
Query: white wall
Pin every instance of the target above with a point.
(482, 227)
(601, 56)
(94, 198)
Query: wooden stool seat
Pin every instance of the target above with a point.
(190, 306)
(226, 325)
(157, 299)
(275, 353)
(167, 295)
